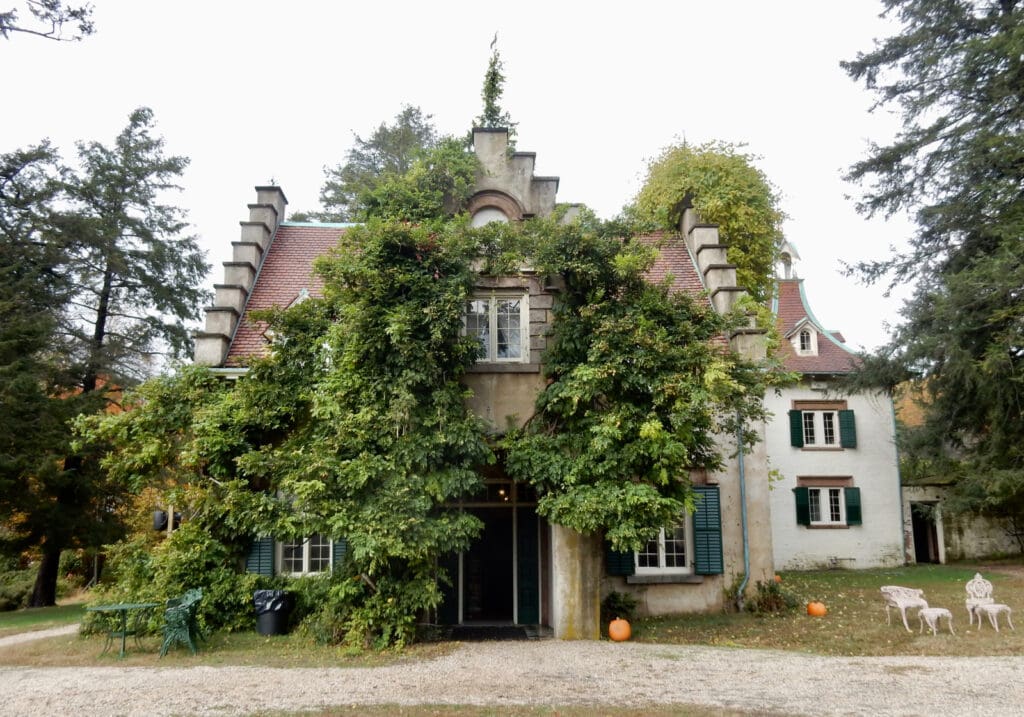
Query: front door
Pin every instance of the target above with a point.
(498, 579)
(488, 577)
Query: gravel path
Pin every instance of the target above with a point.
(542, 672)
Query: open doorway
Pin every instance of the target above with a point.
(488, 569)
(926, 536)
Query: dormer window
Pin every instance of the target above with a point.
(806, 342)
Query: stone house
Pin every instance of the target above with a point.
(522, 570)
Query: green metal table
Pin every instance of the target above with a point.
(121, 628)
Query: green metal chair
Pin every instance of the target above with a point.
(181, 624)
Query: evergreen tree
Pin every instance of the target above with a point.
(91, 296)
(494, 87)
(136, 275)
(956, 73)
(389, 152)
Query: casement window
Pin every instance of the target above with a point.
(827, 506)
(316, 554)
(668, 553)
(305, 557)
(695, 548)
(822, 428)
(500, 323)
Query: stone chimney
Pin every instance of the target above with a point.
(257, 233)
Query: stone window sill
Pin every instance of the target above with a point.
(664, 579)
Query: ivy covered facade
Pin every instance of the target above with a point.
(532, 560)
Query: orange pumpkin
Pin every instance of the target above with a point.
(618, 630)
(816, 609)
(778, 578)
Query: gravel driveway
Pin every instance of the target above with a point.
(543, 672)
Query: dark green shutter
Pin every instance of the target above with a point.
(261, 557)
(338, 552)
(796, 428)
(847, 429)
(853, 514)
(617, 563)
(707, 531)
(803, 506)
(528, 567)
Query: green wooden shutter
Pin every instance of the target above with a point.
(338, 552)
(707, 531)
(796, 428)
(261, 557)
(853, 513)
(617, 563)
(847, 429)
(803, 506)
(527, 567)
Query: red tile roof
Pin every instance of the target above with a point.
(673, 260)
(790, 310)
(287, 270)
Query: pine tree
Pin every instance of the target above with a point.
(956, 73)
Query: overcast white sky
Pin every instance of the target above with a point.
(256, 91)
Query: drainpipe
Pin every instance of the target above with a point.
(743, 516)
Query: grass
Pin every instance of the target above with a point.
(855, 625)
(40, 618)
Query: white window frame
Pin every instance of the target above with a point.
(661, 568)
(304, 545)
(812, 342)
(492, 299)
(827, 499)
(821, 426)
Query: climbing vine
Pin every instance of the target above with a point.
(725, 187)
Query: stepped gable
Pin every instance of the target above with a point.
(673, 259)
(791, 313)
(287, 270)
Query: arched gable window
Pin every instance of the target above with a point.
(805, 341)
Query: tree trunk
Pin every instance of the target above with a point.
(44, 593)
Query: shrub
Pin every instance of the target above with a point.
(771, 597)
(616, 604)
(15, 589)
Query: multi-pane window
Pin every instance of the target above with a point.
(498, 324)
(820, 428)
(301, 557)
(667, 553)
(805, 341)
(826, 505)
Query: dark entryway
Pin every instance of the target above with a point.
(487, 569)
(926, 538)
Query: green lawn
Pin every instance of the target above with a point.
(39, 618)
(855, 625)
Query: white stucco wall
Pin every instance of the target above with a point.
(873, 466)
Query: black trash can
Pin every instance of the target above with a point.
(272, 610)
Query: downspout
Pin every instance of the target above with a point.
(743, 516)
(899, 481)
